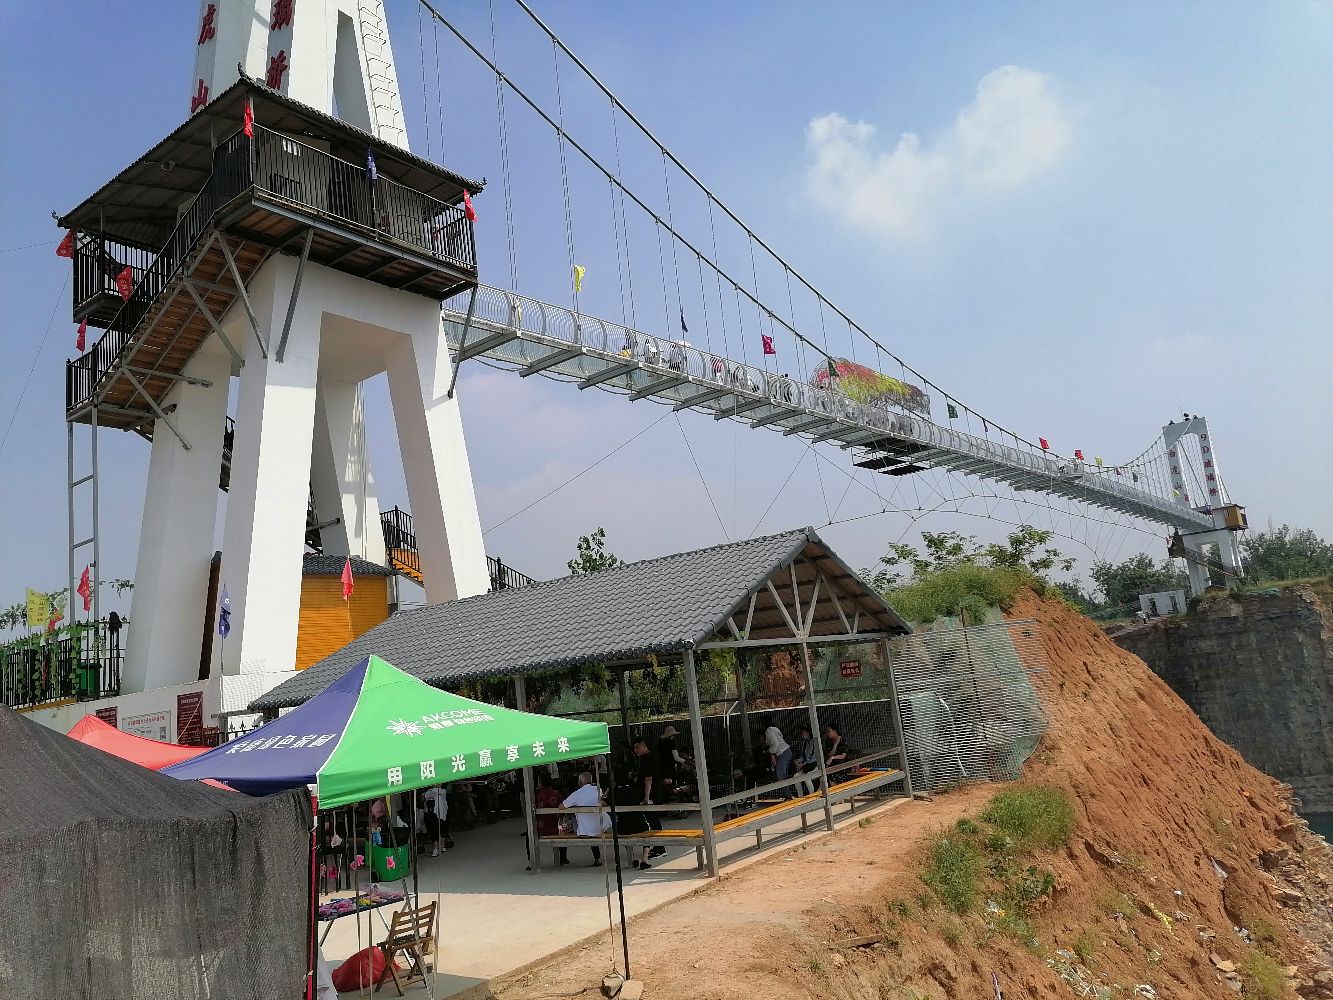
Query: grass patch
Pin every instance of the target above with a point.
(1085, 946)
(1264, 978)
(954, 872)
(1262, 930)
(1037, 817)
(966, 587)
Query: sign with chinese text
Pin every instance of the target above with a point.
(151, 725)
(189, 718)
(108, 715)
(850, 668)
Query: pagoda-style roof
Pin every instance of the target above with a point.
(140, 205)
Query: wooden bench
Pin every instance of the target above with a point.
(861, 782)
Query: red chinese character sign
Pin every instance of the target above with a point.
(849, 669)
(200, 97)
(277, 70)
(282, 15)
(208, 29)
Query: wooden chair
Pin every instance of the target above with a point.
(411, 934)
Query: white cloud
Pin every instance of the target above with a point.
(1014, 130)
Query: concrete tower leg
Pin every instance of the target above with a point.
(1200, 579)
(340, 474)
(435, 463)
(263, 542)
(176, 537)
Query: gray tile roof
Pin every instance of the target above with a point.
(315, 564)
(658, 606)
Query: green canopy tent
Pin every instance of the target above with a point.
(379, 731)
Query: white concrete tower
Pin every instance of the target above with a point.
(1186, 465)
(299, 416)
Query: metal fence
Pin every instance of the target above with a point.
(969, 702)
(79, 662)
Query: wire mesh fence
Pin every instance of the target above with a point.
(969, 702)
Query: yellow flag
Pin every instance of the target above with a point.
(1099, 462)
(579, 272)
(39, 609)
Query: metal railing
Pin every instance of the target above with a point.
(79, 662)
(505, 326)
(400, 543)
(285, 169)
(97, 263)
(313, 179)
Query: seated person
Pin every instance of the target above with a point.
(547, 797)
(806, 758)
(836, 750)
(587, 795)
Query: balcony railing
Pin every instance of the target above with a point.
(76, 662)
(303, 175)
(400, 541)
(278, 168)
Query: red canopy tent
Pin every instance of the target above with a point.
(151, 754)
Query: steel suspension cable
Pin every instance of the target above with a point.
(503, 127)
(564, 179)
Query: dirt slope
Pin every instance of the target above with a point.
(1166, 810)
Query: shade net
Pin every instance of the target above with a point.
(120, 882)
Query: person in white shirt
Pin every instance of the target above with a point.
(588, 795)
(779, 755)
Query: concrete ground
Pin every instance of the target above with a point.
(496, 917)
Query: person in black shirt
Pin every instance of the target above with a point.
(629, 822)
(649, 776)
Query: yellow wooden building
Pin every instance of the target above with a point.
(327, 621)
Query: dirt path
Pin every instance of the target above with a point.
(745, 936)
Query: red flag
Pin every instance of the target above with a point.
(348, 585)
(1078, 453)
(85, 590)
(468, 210)
(79, 344)
(249, 119)
(125, 283)
(1044, 445)
(66, 248)
(768, 344)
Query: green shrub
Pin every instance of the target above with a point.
(966, 826)
(966, 587)
(1037, 817)
(954, 872)
(1025, 890)
(1264, 978)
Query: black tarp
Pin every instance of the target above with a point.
(116, 881)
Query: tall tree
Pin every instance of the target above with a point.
(1286, 553)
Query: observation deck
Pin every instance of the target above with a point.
(196, 216)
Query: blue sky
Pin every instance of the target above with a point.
(1134, 220)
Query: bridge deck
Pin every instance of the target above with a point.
(535, 337)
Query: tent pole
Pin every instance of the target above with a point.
(742, 662)
(312, 902)
(615, 849)
(700, 762)
(815, 733)
(529, 786)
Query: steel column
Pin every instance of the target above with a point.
(897, 717)
(815, 732)
(700, 762)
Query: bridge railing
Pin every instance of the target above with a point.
(662, 367)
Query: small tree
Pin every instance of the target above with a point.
(593, 556)
(1028, 548)
(1286, 553)
(1123, 582)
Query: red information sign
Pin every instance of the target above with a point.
(108, 715)
(189, 718)
(850, 668)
